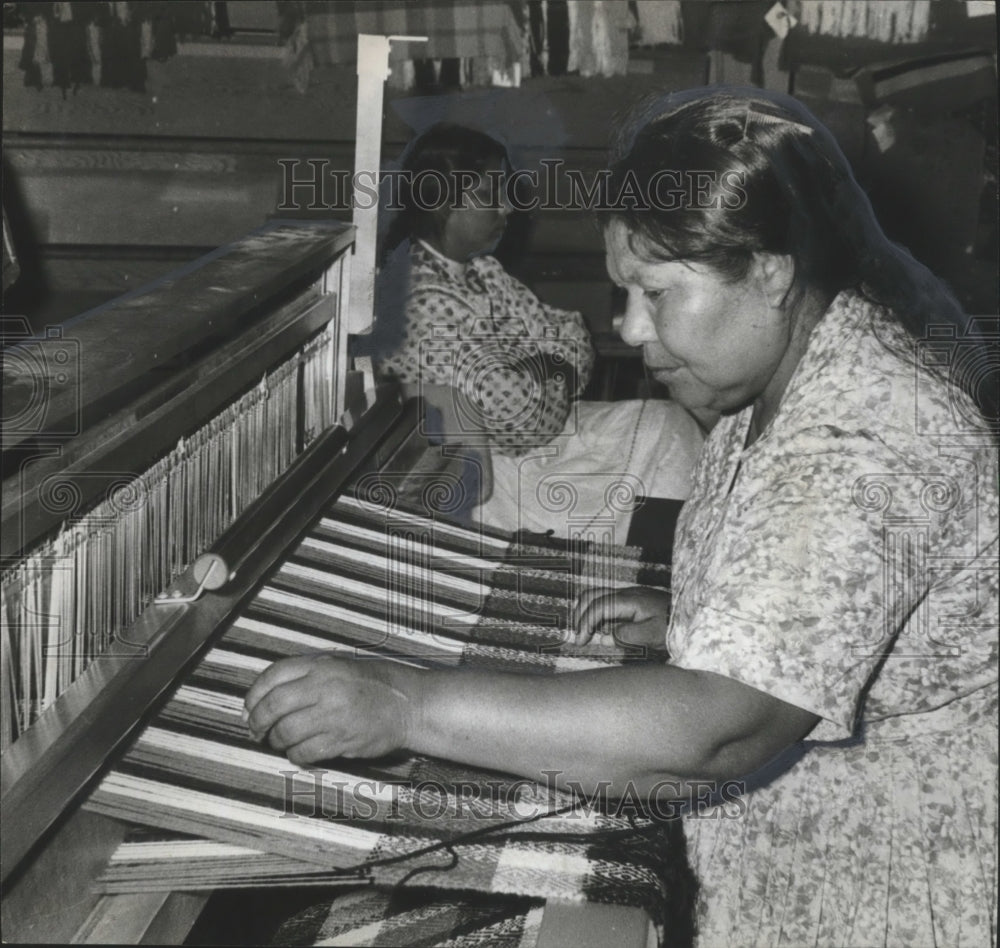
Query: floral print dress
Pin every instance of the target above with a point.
(846, 563)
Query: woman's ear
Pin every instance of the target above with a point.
(775, 273)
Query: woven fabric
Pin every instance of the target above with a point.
(415, 917)
(463, 597)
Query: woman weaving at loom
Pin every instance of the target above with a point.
(816, 651)
(501, 368)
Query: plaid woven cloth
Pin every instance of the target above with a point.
(454, 29)
(429, 593)
(381, 917)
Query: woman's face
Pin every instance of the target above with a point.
(478, 225)
(715, 344)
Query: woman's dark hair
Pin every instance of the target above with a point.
(733, 172)
(438, 155)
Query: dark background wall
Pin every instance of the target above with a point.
(109, 188)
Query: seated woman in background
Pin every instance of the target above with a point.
(831, 642)
(504, 370)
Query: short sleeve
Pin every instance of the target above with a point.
(806, 584)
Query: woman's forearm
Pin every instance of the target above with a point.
(623, 730)
(634, 727)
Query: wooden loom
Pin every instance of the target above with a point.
(276, 291)
(186, 464)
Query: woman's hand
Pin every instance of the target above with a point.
(639, 615)
(319, 707)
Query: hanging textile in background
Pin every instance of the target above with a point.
(903, 21)
(659, 22)
(846, 36)
(598, 37)
(589, 37)
(68, 45)
(326, 33)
